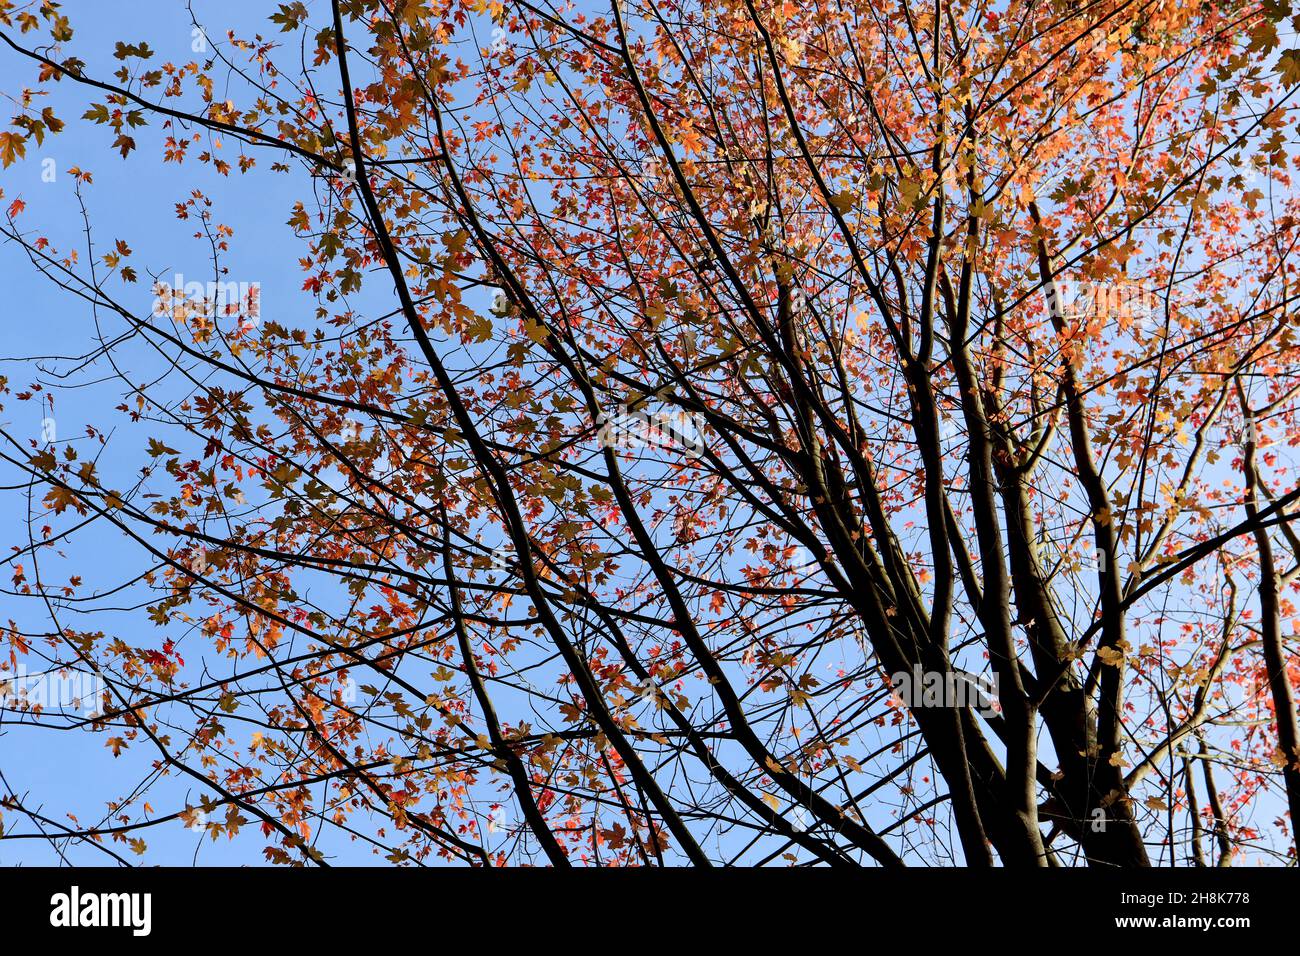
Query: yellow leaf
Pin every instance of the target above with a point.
(843, 201)
(11, 147)
(1110, 655)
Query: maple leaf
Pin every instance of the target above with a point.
(844, 201)
(1289, 66)
(691, 141)
(1110, 655)
(11, 148)
(59, 498)
(290, 16)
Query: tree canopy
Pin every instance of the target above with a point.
(839, 433)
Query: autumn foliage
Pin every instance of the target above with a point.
(965, 331)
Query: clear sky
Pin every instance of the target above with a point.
(133, 200)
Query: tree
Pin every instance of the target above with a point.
(840, 433)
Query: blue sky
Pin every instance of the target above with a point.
(133, 200)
